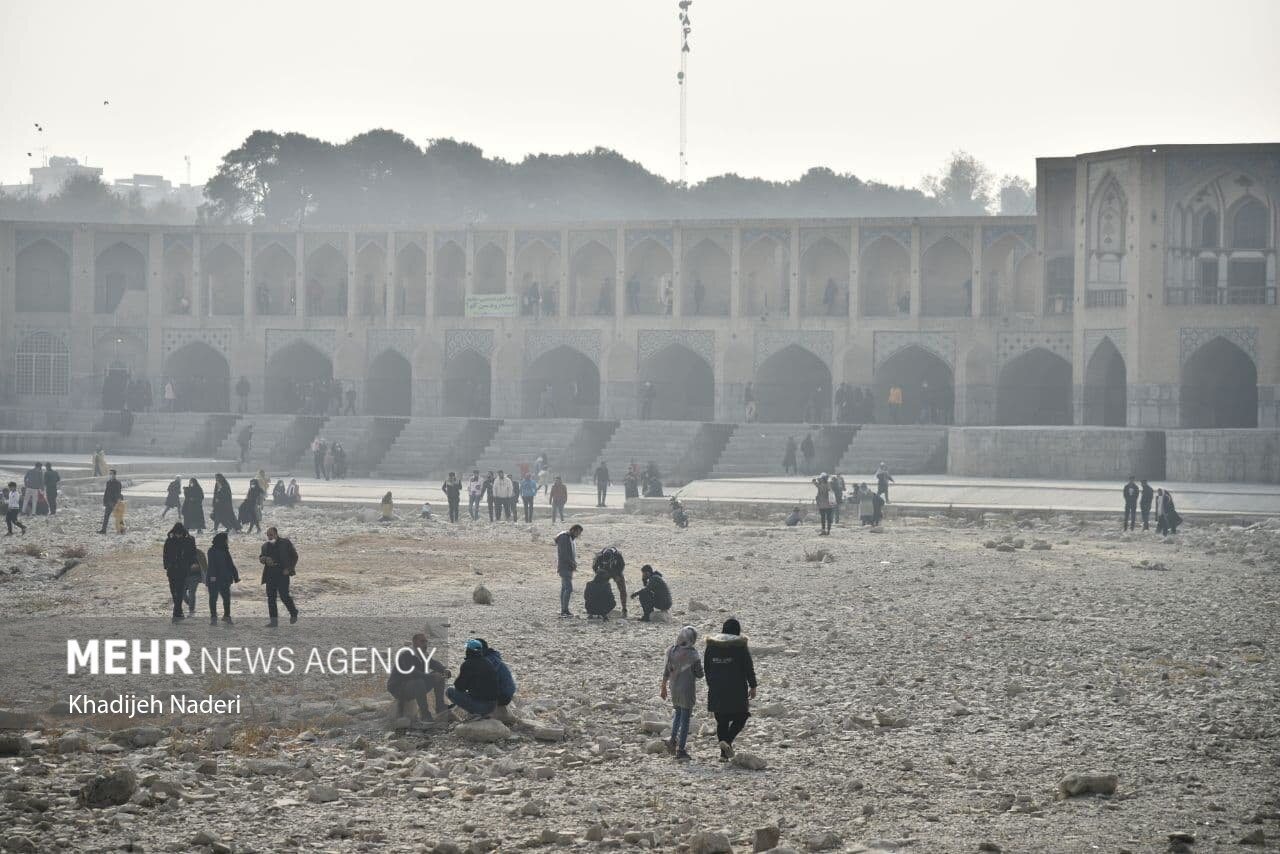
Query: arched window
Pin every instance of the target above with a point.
(1208, 230)
(1249, 225)
(43, 365)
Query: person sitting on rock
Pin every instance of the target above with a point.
(414, 675)
(506, 682)
(794, 517)
(655, 595)
(598, 596)
(611, 563)
(475, 690)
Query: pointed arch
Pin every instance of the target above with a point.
(388, 387)
(591, 279)
(490, 274)
(764, 274)
(824, 279)
(292, 373)
(371, 280)
(927, 384)
(1034, 388)
(274, 275)
(223, 281)
(450, 279)
(946, 280)
(649, 271)
(117, 270)
(537, 263)
(1104, 386)
(326, 285)
(706, 273)
(467, 385)
(201, 378)
(411, 281)
(684, 387)
(1250, 224)
(561, 383)
(43, 278)
(884, 278)
(177, 270)
(793, 385)
(1219, 387)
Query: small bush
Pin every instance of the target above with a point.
(73, 551)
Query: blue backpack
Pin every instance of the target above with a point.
(506, 682)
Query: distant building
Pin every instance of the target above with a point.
(47, 180)
(153, 189)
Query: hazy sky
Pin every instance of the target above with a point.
(882, 89)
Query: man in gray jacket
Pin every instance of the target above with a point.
(566, 563)
(33, 481)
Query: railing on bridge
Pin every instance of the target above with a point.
(1109, 298)
(1219, 296)
(1057, 303)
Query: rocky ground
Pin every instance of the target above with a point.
(946, 684)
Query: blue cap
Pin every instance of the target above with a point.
(474, 644)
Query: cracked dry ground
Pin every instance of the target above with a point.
(917, 689)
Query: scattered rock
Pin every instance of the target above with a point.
(765, 838)
(891, 720)
(1040, 546)
(14, 745)
(322, 793)
(485, 729)
(1087, 784)
(13, 719)
(482, 596)
(695, 605)
(110, 789)
(1254, 837)
(822, 840)
(1005, 547)
(750, 761)
(656, 745)
(548, 733)
(710, 842)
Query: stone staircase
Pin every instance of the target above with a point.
(52, 420)
(170, 434)
(907, 449)
(755, 450)
(278, 441)
(571, 444)
(365, 438)
(683, 450)
(433, 447)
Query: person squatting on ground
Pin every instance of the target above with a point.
(731, 683)
(681, 675)
(413, 676)
(610, 562)
(597, 596)
(528, 492)
(826, 502)
(655, 595)
(220, 574)
(1131, 493)
(559, 497)
(13, 508)
(179, 556)
(475, 690)
(279, 561)
(567, 564)
(112, 494)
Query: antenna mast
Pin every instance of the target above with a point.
(682, 80)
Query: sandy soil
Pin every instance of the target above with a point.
(919, 687)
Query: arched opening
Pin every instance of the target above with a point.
(648, 278)
(1209, 237)
(792, 386)
(118, 361)
(884, 279)
(1249, 225)
(389, 387)
(450, 280)
(223, 281)
(466, 385)
(684, 387)
(297, 378)
(118, 270)
(765, 276)
(326, 282)
(1104, 387)
(490, 275)
(824, 280)
(561, 383)
(591, 280)
(371, 280)
(176, 275)
(1059, 284)
(274, 272)
(538, 278)
(1219, 387)
(1009, 266)
(927, 384)
(42, 365)
(411, 281)
(201, 378)
(1035, 388)
(706, 280)
(946, 280)
(43, 273)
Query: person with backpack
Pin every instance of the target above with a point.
(731, 683)
(475, 690)
(220, 574)
(655, 595)
(417, 672)
(598, 596)
(681, 675)
(567, 564)
(611, 563)
(506, 681)
(528, 492)
(179, 556)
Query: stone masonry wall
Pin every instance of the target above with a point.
(1230, 456)
(1071, 453)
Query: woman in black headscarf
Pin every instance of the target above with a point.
(193, 506)
(179, 558)
(251, 508)
(221, 575)
(223, 512)
(173, 499)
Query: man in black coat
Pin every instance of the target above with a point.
(414, 674)
(655, 595)
(111, 493)
(1144, 503)
(567, 564)
(279, 560)
(602, 483)
(731, 683)
(51, 479)
(1131, 492)
(476, 688)
(179, 557)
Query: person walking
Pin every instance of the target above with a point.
(179, 556)
(250, 514)
(655, 595)
(883, 479)
(866, 505)
(452, 489)
(789, 456)
(475, 690)
(731, 683)
(567, 564)
(195, 577)
(112, 494)
(32, 485)
(528, 492)
(475, 490)
(559, 497)
(807, 450)
(170, 397)
(503, 493)
(749, 402)
(222, 511)
(895, 404)
(1144, 503)
(330, 463)
(193, 506)
(51, 480)
(13, 509)
(1131, 494)
(245, 440)
(242, 392)
(279, 561)
(99, 463)
(602, 483)
(351, 401)
(173, 498)
(825, 501)
(647, 395)
(1167, 518)
(680, 679)
(318, 449)
(220, 574)
(489, 480)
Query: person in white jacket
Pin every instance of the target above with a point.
(504, 492)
